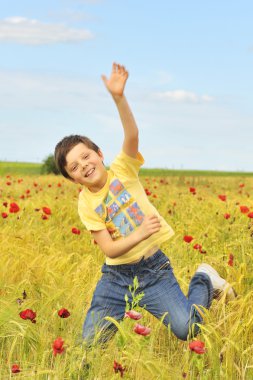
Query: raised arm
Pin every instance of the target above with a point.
(115, 84)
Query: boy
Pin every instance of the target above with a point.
(129, 230)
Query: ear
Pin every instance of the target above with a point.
(100, 154)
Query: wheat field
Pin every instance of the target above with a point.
(48, 262)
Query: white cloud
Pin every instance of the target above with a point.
(182, 96)
(33, 32)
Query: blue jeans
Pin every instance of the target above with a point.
(162, 296)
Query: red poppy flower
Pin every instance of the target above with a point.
(250, 215)
(118, 368)
(15, 368)
(22, 197)
(63, 313)
(188, 238)
(192, 190)
(59, 184)
(58, 346)
(141, 330)
(14, 207)
(76, 231)
(241, 185)
(44, 217)
(148, 192)
(231, 260)
(197, 246)
(5, 204)
(28, 314)
(46, 210)
(20, 180)
(133, 315)
(197, 346)
(35, 184)
(226, 216)
(222, 197)
(8, 183)
(4, 215)
(244, 209)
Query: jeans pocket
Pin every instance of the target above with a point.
(164, 266)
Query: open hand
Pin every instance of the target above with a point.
(116, 83)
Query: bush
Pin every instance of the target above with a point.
(49, 165)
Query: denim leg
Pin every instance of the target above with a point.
(108, 300)
(164, 298)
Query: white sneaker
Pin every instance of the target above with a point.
(220, 286)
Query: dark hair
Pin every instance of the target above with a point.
(65, 145)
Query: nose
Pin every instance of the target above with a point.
(84, 164)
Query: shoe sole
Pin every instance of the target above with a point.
(228, 290)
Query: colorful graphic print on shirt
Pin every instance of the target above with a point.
(120, 211)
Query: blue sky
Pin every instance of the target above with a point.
(190, 83)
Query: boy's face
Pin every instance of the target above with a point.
(85, 166)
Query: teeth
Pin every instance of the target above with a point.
(89, 172)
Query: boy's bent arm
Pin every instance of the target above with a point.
(116, 85)
(115, 248)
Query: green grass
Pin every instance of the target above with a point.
(29, 168)
(19, 168)
(189, 173)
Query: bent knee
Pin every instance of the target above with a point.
(185, 331)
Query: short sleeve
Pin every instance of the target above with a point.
(90, 218)
(126, 166)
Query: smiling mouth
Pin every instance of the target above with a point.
(91, 171)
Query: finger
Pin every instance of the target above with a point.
(114, 67)
(123, 71)
(119, 69)
(153, 216)
(104, 79)
(156, 225)
(154, 230)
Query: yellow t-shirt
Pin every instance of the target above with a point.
(120, 206)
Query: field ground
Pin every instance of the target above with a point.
(35, 169)
(59, 269)
(28, 168)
